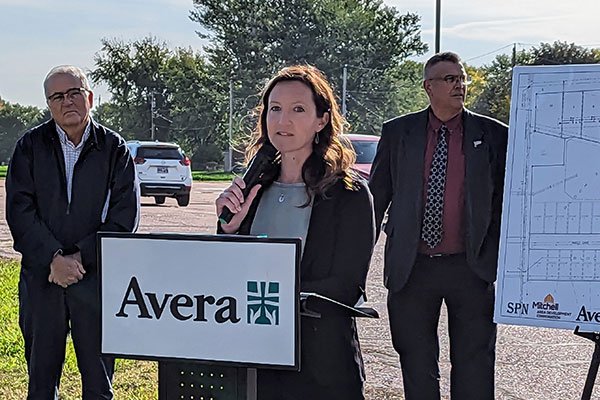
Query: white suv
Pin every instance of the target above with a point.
(163, 170)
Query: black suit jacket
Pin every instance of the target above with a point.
(337, 253)
(339, 242)
(397, 186)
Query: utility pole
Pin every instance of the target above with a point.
(438, 17)
(229, 142)
(344, 82)
(514, 55)
(152, 112)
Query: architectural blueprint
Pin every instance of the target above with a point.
(549, 261)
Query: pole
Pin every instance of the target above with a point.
(592, 372)
(344, 83)
(514, 54)
(229, 149)
(594, 364)
(152, 106)
(438, 17)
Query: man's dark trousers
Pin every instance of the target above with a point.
(414, 313)
(47, 312)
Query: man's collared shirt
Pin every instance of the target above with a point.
(453, 238)
(71, 153)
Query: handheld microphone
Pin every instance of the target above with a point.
(259, 163)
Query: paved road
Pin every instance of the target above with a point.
(532, 363)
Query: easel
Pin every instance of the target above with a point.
(593, 371)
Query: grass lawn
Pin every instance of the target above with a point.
(205, 176)
(212, 176)
(135, 380)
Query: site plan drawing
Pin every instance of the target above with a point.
(549, 261)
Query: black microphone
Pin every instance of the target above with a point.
(259, 163)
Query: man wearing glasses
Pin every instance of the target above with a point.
(68, 179)
(439, 174)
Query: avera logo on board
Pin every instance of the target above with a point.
(263, 303)
(588, 316)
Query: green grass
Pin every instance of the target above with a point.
(212, 176)
(205, 176)
(136, 380)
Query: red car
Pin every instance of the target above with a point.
(365, 147)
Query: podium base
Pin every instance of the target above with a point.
(194, 381)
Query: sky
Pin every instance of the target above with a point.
(39, 34)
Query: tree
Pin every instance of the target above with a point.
(15, 119)
(110, 115)
(477, 84)
(199, 105)
(133, 72)
(405, 93)
(190, 101)
(563, 53)
(494, 98)
(253, 39)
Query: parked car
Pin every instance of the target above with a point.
(365, 147)
(163, 170)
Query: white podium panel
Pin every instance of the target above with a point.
(217, 298)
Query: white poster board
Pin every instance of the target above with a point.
(217, 298)
(549, 262)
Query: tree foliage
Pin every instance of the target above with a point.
(15, 119)
(134, 74)
(249, 41)
(253, 39)
(189, 102)
(562, 53)
(494, 98)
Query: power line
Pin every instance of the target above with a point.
(365, 68)
(491, 52)
(365, 107)
(521, 44)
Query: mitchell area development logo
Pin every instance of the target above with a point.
(548, 304)
(263, 303)
(549, 309)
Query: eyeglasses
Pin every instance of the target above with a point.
(73, 94)
(452, 79)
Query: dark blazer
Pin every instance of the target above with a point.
(339, 245)
(38, 212)
(397, 183)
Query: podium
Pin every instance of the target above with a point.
(209, 308)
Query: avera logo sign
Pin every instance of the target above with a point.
(263, 303)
